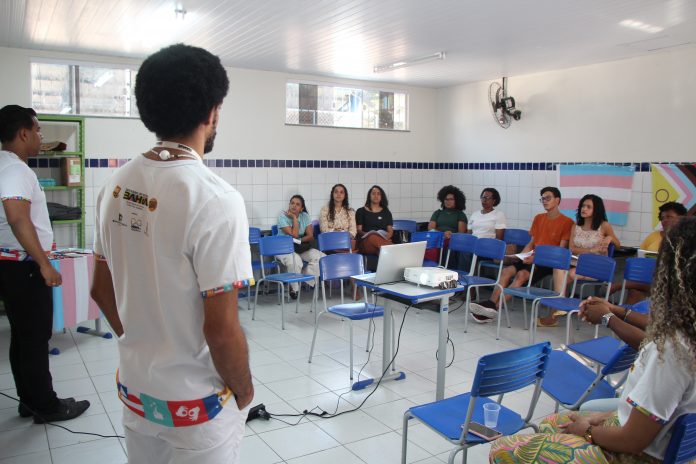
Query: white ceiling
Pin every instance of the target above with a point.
(483, 39)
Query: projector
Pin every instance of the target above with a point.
(431, 276)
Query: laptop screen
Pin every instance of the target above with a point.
(394, 258)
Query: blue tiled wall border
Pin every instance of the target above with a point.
(336, 164)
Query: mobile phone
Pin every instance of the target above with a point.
(484, 432)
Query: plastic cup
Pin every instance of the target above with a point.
(490, 414)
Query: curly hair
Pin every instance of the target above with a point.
(459, 198)
(673, 297)
(494, 194)
(176, 89)
(332, 205)
(599, 212)
(383, 202)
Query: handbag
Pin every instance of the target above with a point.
(302, 247)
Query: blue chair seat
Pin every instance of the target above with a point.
(566, 389)
(290, 277)
(530, 293)
(475, 280)
(562, 304)
(598, 349)
(256, 265)
(357, 311)
(443, 416)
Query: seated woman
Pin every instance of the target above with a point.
(296, 223)
(669, 214)
(374, 222)
(450, 218)
(592, 234)
(488, 222)
(660, 387)
(337, 215)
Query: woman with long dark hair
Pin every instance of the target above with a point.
(337, 215)
(374, 222)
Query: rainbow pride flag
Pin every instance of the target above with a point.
(611, 183)
(674, 182)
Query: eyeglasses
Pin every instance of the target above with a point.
(449, 199)
(487, 198)
(546, 199)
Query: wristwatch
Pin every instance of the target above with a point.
(605, 319)
(588, 435)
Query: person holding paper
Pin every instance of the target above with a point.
(374, 222)
(337, 215)
(548, 228)
(296, 223)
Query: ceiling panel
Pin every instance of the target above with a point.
(483, 39)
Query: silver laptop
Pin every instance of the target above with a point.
(392, 261)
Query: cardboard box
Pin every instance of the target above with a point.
(70, 172)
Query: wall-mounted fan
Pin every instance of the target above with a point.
(502, 106)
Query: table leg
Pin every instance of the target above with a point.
(97, 332)
(442, 348)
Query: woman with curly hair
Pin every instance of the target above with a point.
(660, 387)
(450, 218)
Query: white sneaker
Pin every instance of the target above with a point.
(480, 319)
(481, 310)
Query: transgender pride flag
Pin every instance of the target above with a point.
(611, 183)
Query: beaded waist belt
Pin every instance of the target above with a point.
(173, 413)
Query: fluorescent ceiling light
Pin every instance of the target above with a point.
(404, 63)
(641, 26)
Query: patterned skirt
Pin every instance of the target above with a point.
(551, 446)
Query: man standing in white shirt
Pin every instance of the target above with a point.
(26, 274)
(173, 242)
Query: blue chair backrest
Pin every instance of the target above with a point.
(315, 229)
(611, 248)
(519, 237)
(642, 307)
(405, 225)
(622, 360)
(552, 256)
(682, 445)
(329, 241)
(254, 235)
(640, 270)
(596, 267)
(340, 266)
(490, 248)
(511, 370)
(276, 245)
(274, 229)
(433, 238)
(465, 243)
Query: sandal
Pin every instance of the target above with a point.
(542, 323)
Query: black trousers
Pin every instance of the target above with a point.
(29, 307)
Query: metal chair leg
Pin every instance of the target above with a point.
(350, 330)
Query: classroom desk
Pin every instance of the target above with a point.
(413, 294)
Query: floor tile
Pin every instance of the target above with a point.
(339, 455)
(42, 457)
(385, 449)
(105, 451)
(24, 440)
(292, 442)
(98, 424)
(256, 451)
(352, 426)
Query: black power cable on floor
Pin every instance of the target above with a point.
(328, 415)
(56, 425)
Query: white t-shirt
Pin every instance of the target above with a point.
(19, 182)
(485, 225)
(661, 389)
(171, 232)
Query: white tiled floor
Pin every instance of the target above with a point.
(286, 384)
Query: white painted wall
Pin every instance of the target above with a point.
(252, 123)
(640, 109)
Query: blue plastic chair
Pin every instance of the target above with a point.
(517, 237)
(462, 243)
(274, 230)
(496, 374)
(433, 239)
(486, 248)
(338, 267)
(597, 267)
(547, 256)
(600, 350)
(570, 383)
(332, 241)
(406, 225)
(639, 270)
(682, 445)
(316, 230)
(254, 238)
(274, 246)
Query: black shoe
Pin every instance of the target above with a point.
(24, 411)
(293, 294)
(66, 410)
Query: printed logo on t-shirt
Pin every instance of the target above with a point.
(152, 204)
(136, 224)
(117, 190)
(118, 219)
(135, 199)
(156, 410)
